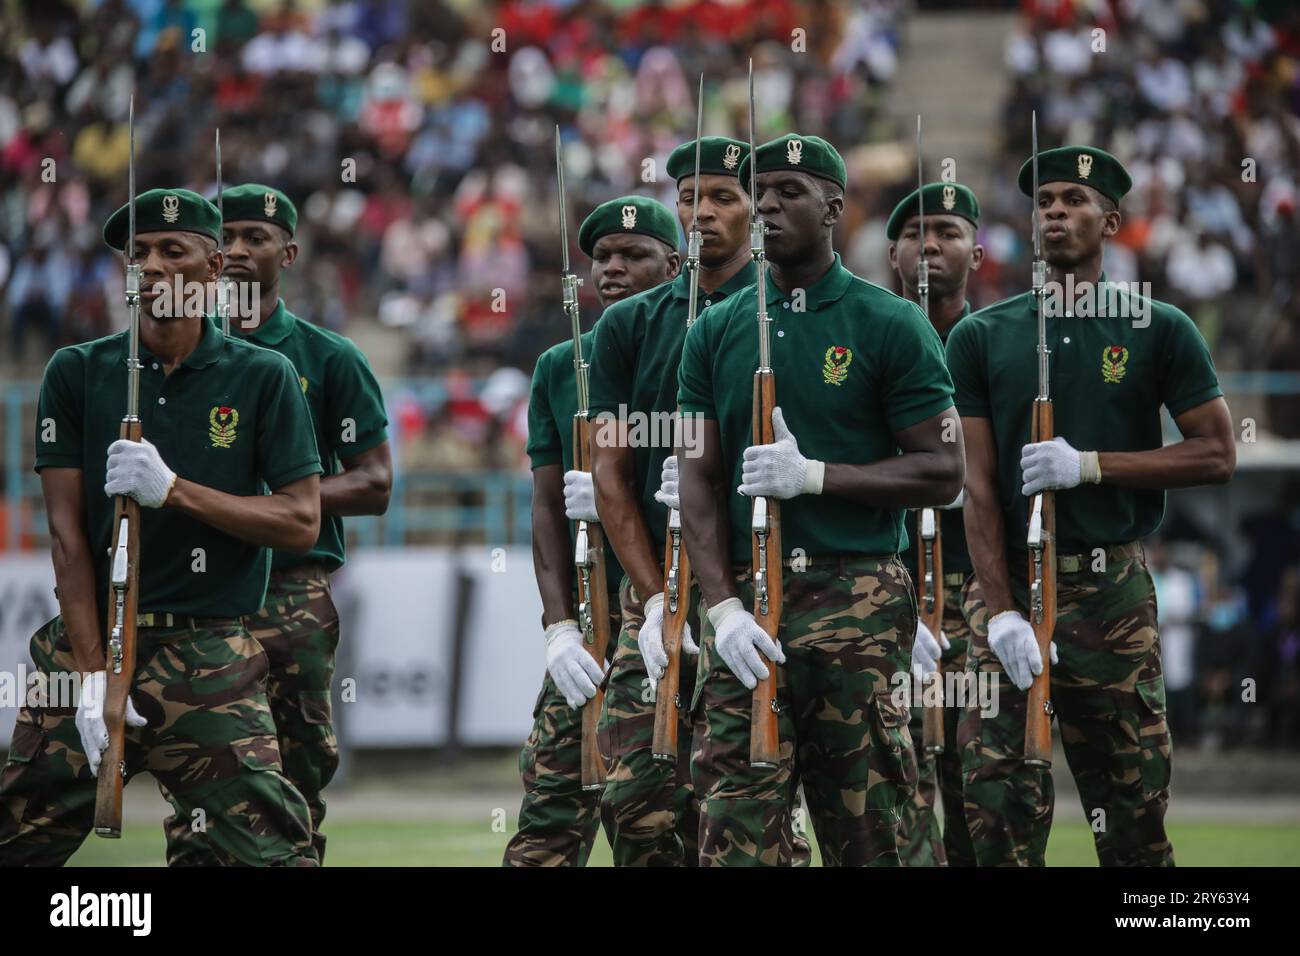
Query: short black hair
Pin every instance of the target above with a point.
(1107, 204)
(830, 190)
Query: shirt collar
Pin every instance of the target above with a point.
(825, 291)
(276, 328)
(209, 349)
(682, 284)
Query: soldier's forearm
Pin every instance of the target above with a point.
(910, 480)
(358, 491)
(1193, 461)
(553, 564)
(986, 543)
(286, 520)
(625, 526)
(706, 533)
(74, 576)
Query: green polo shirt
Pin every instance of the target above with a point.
(347, 410)
(1100, 403)
(952, 527)
(856, 366)
(634, 365)
(552, 405)
(231, 416)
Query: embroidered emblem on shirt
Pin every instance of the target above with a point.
(222, 421)
(302, 380)
(835, 369)
(1113, 360)
(629, 217)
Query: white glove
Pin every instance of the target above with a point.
(926, 651)
(136, 469)
(667, 494)
(956, 502)
(1012, 639)
(1055, 466)
(651, 638)
(736, 635)
(90, 718)
(574, 671)
(580, 496)
(778, 470)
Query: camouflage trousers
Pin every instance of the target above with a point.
(558, 820)
(920, 842)
(648, 807)
(1108, 696)
(210, 743)
(298, 628)
(847, 627)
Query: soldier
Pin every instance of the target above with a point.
(231, 419)
(1109, 374)
(632, 242)
(952, 215)
(861, 382)
(649, 810)
(299, 627)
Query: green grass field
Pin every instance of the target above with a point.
(398, 843)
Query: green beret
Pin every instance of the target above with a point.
(804, 154)
(252, 201)
(629, 214)
(940, 199)
(165, 210)
(1078, 164)
(719, 156)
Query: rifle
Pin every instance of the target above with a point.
(223, 285)
(929, 547)
(1042, 526)
(677, 585)
(589, 547)
(124, 576)
(765, 520)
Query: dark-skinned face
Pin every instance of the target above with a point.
(164, 255)
(723, 216)
(950, 249)
(798, 218)
(1072, 223)
(256, 251)
(623, 264)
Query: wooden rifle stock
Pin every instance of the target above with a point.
(120, 673)
(593, 610)
(764, 735)
(929, 594)
(1042, 604)
(668, 703)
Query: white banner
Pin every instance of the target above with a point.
(26, 602)
(398, 608)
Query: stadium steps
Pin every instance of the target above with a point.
(951, 72)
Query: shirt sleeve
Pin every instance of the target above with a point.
(613, 360)
(695, 373)
(286, 441)
(1187, 376)
(544, 447)
(354, 406)
(916, 381)
(966, 366)
(60, 410)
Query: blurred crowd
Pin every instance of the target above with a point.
(1201, 101)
